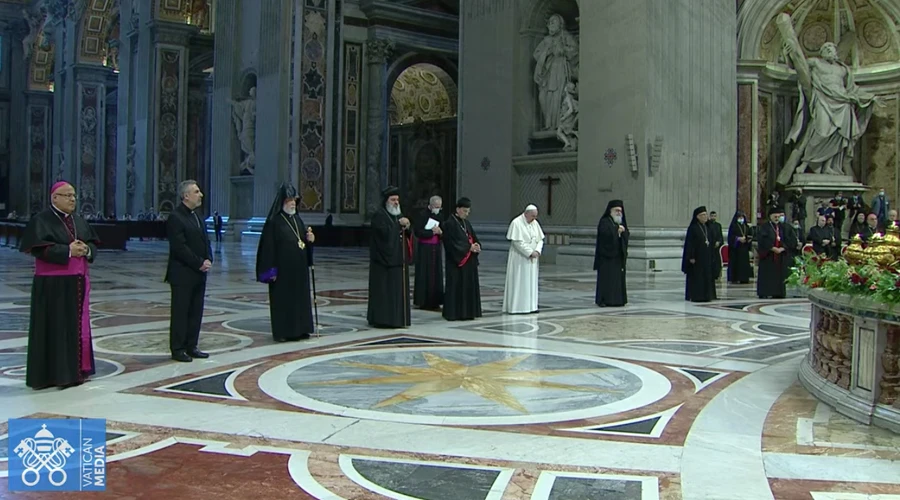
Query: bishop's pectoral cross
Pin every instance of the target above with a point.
(550, 181)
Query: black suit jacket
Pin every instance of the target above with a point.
(188, 247)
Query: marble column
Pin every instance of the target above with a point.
(125, 143)
(65, 104)
(272, 102)
(37, 127)
(674, 87)
(19, 161)
(89, 135)
(377, 54)
(197, 132)
(225, 150)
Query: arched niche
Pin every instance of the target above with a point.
(865, 32)
(422, 92)
(535, 15)
(248, 81)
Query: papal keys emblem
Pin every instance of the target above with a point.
(44, 451)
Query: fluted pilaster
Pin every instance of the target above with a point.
(18, 199)
(224, 142)
(377, 54)
(272, 102)
(125, 140)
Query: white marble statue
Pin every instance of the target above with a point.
(557, 65)
(567, 129)
(244, 115)
(833, 113)
(36, 24)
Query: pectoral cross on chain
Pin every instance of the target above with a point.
(549, 181)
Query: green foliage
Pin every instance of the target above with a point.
(878, 283)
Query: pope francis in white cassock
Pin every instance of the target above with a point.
(526, 242)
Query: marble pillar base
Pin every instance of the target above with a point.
(826, 183)
(650, 249)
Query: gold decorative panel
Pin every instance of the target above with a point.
(421, 93)
(95, 30)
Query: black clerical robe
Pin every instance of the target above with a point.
(834, 234)
(716, 240)
(698, 264)
(60, 350)
(610, 253)
(818, 235)
(739, 268)
(462, 295)
(428, 292)
(774, 268)
(284, 266)
(390, 253)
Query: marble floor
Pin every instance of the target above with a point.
(659, 400)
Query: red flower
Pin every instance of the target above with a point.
(805, 280)
(856, 279)
(873, 287)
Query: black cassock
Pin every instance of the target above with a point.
(462, 296)
(774, 268)
(610, 253)
(716, 241)
(834, 248)
(817, 236)
(739, 268)
(428, 292)
(59, 337)
(701, 279)
(280, 257)
(389, 256)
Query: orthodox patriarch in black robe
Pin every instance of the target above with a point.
(60, 350)
(740, 242)
(774, 244)
(428, 292)
(283, 259)
(697, 260)
(716, 240)
(610, 253)
(462, 297)
(390, 253)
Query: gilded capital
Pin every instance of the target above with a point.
(378, 51)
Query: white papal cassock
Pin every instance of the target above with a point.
(521, 293)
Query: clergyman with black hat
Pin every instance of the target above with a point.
(774, 241)
(462, 292)
(283, 259)
(697, 259)
(390, 253)
(610, 253)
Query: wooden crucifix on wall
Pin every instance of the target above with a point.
(549, 181)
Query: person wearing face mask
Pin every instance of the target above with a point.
(428, 293)
(739, 246)
(697, 259)
(821, 237)
(716, 240)
(839, 208)
(774, 243)
(610, 253)
(881, 206)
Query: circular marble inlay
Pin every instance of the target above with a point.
(464, 385)
(12, 365)
(157, 343)
(800, 311)
(135, 307)
(264, 325)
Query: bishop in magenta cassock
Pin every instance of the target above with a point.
(59, 333)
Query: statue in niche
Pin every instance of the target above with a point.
(557, 66)
(833, 113)
(112, 55)
(200, 14)
(243, 112)
(36, 23)
(567, 129)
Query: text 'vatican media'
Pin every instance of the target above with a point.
(43, 455)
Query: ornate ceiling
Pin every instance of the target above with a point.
(866, 31)
(422, 92)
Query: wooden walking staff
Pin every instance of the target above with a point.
(312, 271)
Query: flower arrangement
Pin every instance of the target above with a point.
(871, 271)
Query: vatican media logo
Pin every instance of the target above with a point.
(57, 454)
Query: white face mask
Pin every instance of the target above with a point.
(740, 221)
(781, 219)
(435, 211)
(617, 219)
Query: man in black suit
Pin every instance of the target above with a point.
(190, 258)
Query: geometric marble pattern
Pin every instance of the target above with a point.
(661, 399)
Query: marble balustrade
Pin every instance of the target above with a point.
(852, 363)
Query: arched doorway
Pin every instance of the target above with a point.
(422, 141)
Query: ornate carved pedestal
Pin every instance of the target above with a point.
(854, 360)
